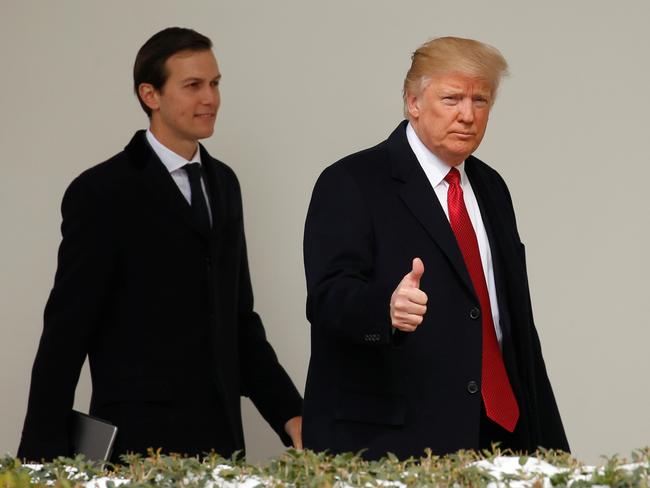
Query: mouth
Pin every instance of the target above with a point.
(209, 115)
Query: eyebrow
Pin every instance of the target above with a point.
(455, 92)
(195, 78)
(450, 91)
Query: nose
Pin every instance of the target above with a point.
(210, 95)
(466, 111)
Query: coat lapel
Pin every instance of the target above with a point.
(496, 233)
(214, 184)
(159, 184)
(418, 195)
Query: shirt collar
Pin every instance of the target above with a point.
(434, 168)
(169, 158)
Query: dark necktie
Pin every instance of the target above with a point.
(199, 207)
(500, 402)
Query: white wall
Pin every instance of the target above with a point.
(307, 82)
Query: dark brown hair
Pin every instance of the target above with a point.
(150, 61)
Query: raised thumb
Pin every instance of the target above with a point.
(416, 273)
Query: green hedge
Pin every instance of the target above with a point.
(309, 469)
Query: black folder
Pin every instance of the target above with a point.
(91, 436)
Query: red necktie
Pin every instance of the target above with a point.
(500, 402)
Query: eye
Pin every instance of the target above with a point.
(214, 83)
(481, 102)
(450, 100)
(193, 84)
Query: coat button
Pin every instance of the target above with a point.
(472, 387)
(474, 313)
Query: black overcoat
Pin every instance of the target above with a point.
(163, 311)
(369, 387)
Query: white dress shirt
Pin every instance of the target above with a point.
(174, 164)
(436, 171)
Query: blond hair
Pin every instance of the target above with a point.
(445, 55)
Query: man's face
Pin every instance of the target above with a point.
(184, 110)
(450, 115)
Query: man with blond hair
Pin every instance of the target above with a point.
(422, 328)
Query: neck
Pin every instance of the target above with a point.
(182, 147)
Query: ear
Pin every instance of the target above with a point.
(413, 105)
(149, 96)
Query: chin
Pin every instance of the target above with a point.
(204, 134)
(464, 152)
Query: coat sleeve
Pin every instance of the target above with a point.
(72, 313)
(263, 379)
(344, 300)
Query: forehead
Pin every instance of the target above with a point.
(187, 64)
(460, 82)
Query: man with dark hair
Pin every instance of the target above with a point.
(153, 284)
(149, 66)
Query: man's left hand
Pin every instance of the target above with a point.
(293, 427)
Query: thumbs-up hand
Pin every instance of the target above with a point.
(408, 302)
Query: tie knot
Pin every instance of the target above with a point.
(193, 169)
(453, 177)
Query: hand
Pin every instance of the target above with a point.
(293, 427)
(408, 302)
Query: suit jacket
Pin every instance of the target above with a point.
(162, 309)
(370, 387)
